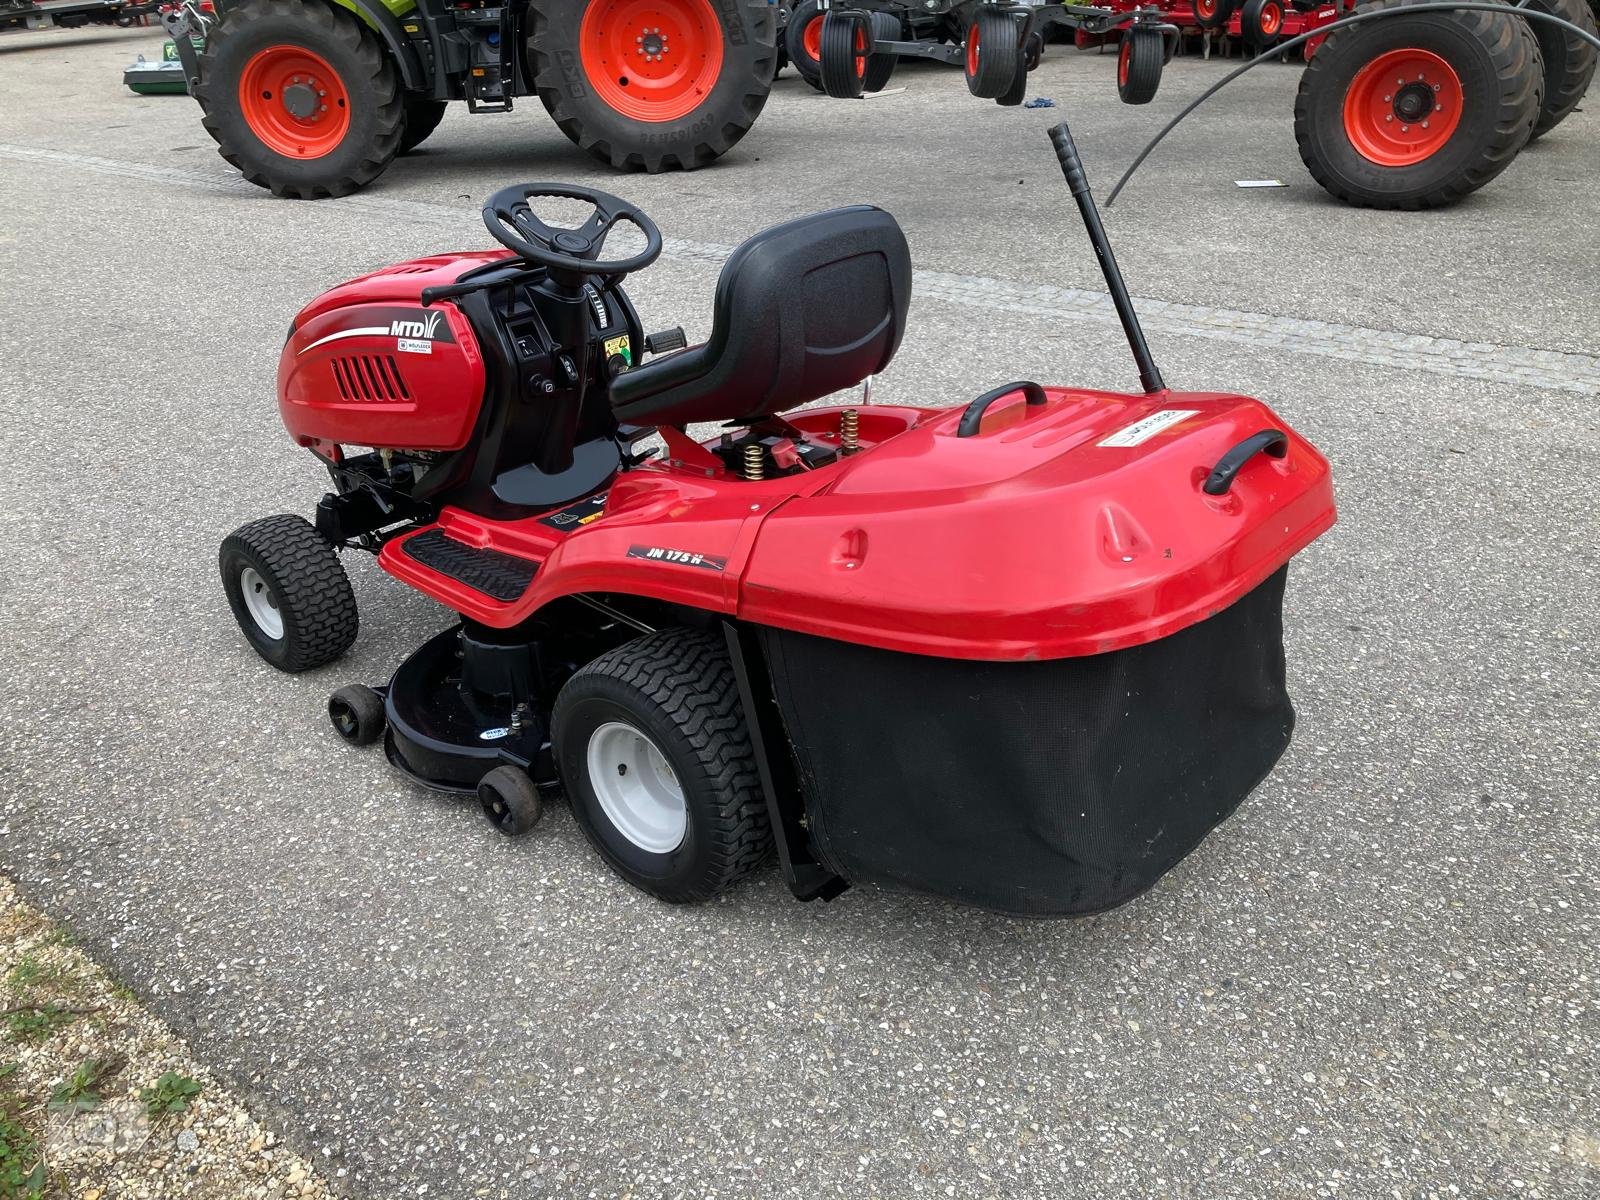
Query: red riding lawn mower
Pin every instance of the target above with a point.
(1024, 653)
(316, 97)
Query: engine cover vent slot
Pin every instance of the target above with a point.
(365, 378)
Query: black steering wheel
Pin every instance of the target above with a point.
(514, 224)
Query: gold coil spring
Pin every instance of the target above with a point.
(849, 431)
(755, 466)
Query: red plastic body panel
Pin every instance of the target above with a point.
(367, 365)
(1031, 539)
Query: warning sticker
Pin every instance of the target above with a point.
(685, 558)
(1147, 427)
(620, 345)
(574, 516)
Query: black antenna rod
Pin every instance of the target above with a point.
(1072, 168)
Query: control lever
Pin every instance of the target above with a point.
(666, 341)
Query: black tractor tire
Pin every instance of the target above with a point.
(1494, 56)
(422, 118)
(356, 56)
(699, 136)
(1569, 61)
(357, 714)
(676, 688)
(880, 67)
(293, 578)
(1140, 60)
(510, 800)
(806, 64)
(1214, 14)
(994, 54)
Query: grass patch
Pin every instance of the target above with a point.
(80, 1091)
(32, 975)
(31, 1024)
(22, 1170)
(169, 1094)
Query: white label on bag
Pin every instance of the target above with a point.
(1146, 428)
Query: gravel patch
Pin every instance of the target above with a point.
(100, 1101)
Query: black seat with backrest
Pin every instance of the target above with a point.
(806, 308)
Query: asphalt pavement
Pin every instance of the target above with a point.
(1378, 979)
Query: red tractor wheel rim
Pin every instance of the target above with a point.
(972, 51)
(1271, 19)
(1124, 58)
(294, 101)
(1402, 107)
(652, 60)
(812, 37)
(1205, 8)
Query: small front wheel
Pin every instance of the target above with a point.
(1261, 23)
(994, 54)
(510, 800)
(803, 41)
(357, 714)
(1139, 61)
(655, 756)
(844, 55)
(289, 592)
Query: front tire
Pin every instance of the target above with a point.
(654, 85)
(289, 592)
(300, 97)
(1472, 90)
(422, 118)
(652, 748)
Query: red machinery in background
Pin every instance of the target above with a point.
(1257, 24)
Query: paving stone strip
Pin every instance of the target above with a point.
(1515, 366)
(64, 1017)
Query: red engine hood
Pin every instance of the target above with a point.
(401, 283)
(1077, 527)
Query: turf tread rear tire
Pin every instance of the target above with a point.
(315, 599)
(1569, 61)
(371, 80)
(1513, 53)
(688, 677)
(737, 97)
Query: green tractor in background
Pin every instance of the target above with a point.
(314, 98)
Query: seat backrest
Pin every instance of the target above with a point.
(803, 309)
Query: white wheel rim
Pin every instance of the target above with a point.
(637, 788)
(260, 603)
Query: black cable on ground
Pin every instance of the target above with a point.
(1356, 19)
